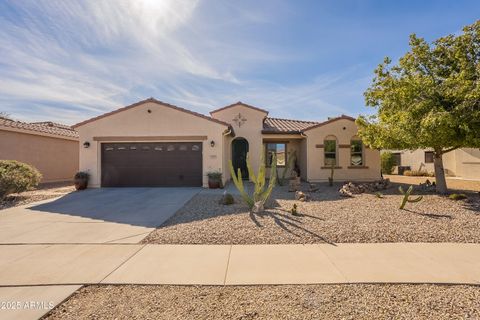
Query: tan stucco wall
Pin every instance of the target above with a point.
(251, 130)
(468, 163)
(55, 158)
(162, 121)
(463, 163)
(315, 160)
(415, 160)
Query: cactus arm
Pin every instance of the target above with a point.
(291, 160)
(406, 196)
(404, 201)
(273, 181)
(409, 191)
(416, 199)
(251, 173)
(238, 182)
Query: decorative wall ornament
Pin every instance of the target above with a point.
(239, 120)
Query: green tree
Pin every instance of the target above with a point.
(388, 162)
(430, 99)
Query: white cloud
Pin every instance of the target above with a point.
(88, 57)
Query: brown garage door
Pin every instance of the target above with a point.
(152, 164)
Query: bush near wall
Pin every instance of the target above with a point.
(17, 177)
(388, 162)
(418, 173)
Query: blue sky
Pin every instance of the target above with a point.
(67, 61)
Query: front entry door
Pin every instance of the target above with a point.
(239, 156)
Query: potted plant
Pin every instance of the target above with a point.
(214, 179)
(81, 180)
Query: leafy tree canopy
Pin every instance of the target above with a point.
(430, 99)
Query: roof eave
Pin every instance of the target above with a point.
(153, 100)
(282, 132)
(342, 117)
(241, 104)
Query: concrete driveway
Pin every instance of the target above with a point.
(109, 215)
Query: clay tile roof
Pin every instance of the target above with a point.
(276, 125)
(239, 103)
(154, 101)
(345, 117)
(43, 127)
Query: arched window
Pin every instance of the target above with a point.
(356, 152)
(330, 151)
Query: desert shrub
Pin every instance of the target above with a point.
(457, 196)
(17, 177)
(81, 175)
(388, 162)
(418, 173)
(227, 199)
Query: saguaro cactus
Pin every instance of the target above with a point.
(406, 196)
(256, 202)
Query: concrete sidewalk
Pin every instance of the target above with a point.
(239, 264)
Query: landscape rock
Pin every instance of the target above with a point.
(301, 196)
(351, 188)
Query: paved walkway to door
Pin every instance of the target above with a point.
(239, 264)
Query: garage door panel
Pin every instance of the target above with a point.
(151, 164)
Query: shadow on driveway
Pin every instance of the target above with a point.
(146, 207)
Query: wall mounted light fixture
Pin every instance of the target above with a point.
(86, 144)
(212, 143)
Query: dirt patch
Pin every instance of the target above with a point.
(43, 192)
(356, 301)
(328, 217)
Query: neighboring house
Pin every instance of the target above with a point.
(151, 143)
(464, 163)
(50, 147)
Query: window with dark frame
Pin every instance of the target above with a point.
(280, 149)
(429, 157)
(356, 153)
(397, 158)
(330, 153)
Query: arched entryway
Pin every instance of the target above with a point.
(239, 156)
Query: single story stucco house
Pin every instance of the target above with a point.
(152, 143)
(463, 163)
(50, 147)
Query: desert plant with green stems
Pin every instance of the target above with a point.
(261, 192)
(458, 196)
(379, 195)
(291, 161)
(406, 196)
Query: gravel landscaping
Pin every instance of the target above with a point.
(452, 182)
(328, 217)
(355, 301)
(43, 192)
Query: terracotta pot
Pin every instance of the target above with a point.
(214, 183)
(80, 184)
